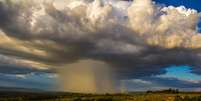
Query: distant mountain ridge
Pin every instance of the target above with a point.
(20, 89)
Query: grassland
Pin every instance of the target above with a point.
(53, 96)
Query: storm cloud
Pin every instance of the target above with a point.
(136, 39)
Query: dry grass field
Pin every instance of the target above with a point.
(48, 96)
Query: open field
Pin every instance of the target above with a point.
(50, 96)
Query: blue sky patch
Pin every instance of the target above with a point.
(181, 72)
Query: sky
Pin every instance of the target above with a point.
(194, 4)
(187, 3)
(100, 46)
(181, 72)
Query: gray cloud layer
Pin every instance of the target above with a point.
(136, 39)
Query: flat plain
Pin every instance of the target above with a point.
(134, 96)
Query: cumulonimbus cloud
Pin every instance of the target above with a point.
(136, 38)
